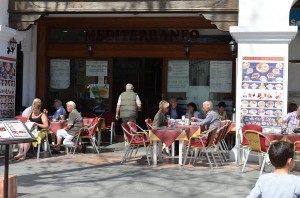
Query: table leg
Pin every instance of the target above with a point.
(173, 149)
(154, 152)
(180, 152)
(159, 151)
(99, 138)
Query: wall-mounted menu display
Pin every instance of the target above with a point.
(7, 88)
(262, 90)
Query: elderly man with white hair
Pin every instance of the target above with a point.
(128, 105)
(71, 130)
(212, 118)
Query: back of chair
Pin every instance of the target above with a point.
(88, 115)
(254, 140)
(109, 118)
(133, 127)
(127, 132)
(220, 134)
(211, 135)
(95, 123)
(149, 123)
(226, 129)
(253, 127)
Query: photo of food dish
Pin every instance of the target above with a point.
(263, 79)
(261, 104)
(262, 67)
(270, 104)
(245, 85)
(244, 103)
(279, 79)
(270, 86)
(278, 113)
(278, 104)
(279, 65)
(261, 112)
(246, 78)
(278, 86)
(249, 70)
(270, 75)
(253, 103)
(7, 67)
(246, 65)
(244, 111)
(253, 111)
(253, 86)
(276, 71)
(269, 112)
(255, 75)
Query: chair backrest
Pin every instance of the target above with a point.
(95, 123)
(133, 127)
(211, 134)
(127, 132)
(20, 117)
(220, 134)
(109, 117)
(254, 140)
(88, 115)
(253, 127)
(149, 123)
(225, 131)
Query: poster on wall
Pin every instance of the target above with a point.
(99, 91)
(7, 88)
(220, 76)
(178, 76)
(59, 73)
(96, 68)
(262, 91)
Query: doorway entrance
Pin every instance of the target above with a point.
(146, 76)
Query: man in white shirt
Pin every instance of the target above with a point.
(28, 110)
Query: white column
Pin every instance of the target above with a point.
(263, 31)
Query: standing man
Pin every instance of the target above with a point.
(128, 105)
(175, 112)
(71, 130)
(212, 118)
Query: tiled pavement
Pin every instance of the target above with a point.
(92, 175)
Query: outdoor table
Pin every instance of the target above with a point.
(55, 125)
(167, 136)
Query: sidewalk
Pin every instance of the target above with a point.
(92, 175)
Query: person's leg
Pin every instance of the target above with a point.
(26, 148)
(68, 141)
(61, 133)
(21, 151)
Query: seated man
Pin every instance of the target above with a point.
(280, 183)
(212, 118)
(28, 110)
(60, 110)
(291, 120)
(174, 112)
(71, 130)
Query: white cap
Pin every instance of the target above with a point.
(129, 86)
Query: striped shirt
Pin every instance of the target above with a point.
(292, 120)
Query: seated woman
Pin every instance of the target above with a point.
(160, 117)
(192, 110)
(40, 120)
(221, 111)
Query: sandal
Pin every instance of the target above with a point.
(17, 157)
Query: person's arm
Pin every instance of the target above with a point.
(118, 108)
(138, 103)
(256, 192)
(206, 120)
(45, 122)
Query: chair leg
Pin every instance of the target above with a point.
(111, 137)
(147, 154)
(48, 146)
(186, 153)
(263, 164)
(75, 146)
(92, 140)
(208, 158)
(245, 162)
(126, 153)
(38, 151)
(213, 156)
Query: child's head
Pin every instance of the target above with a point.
(281, 154)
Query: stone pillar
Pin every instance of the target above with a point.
(263, 35)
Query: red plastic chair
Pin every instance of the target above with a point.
(88, 115)
(134, 128)
(149, 123)
(109, 119)
(135, 141)
(89, 133)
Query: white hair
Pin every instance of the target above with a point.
(72, 104)
(129, 86)
(209, 104)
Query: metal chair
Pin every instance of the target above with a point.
(42, 136)
(149, 123)
(88, 132)
(134, 128)
(203, 143)
(109, 119)
(135, 141)
(257, 144)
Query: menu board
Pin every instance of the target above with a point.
(96, 68)
(178, 76)
(220, 76)
(59, 73)
(262, 91)
(13, 130)
(7, 88)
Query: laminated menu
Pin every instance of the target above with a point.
(13, 130)
(262, 92)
